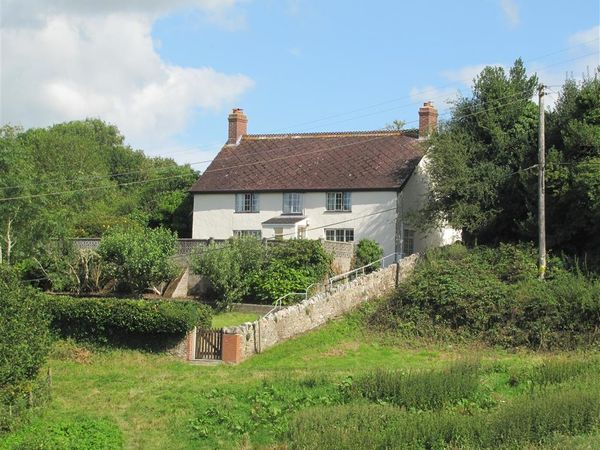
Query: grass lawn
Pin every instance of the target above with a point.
(158, 402)
(232, 318)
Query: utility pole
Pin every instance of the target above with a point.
(541, 188)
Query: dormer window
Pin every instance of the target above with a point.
(339, 201)
(292, 203)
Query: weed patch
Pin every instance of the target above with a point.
(424, 390)
(533, 419)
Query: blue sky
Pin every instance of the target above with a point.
(168, 72)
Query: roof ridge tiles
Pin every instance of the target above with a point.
(326, 134)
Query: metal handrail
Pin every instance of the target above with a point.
(380, 261)
(279, 302)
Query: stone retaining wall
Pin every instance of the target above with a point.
(255, 337)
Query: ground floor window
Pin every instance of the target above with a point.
(340, 234)
(408, 244)
(247, 233)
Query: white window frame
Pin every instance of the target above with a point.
(338, 201)
(292, 203)
(247, 233)
(246, 202)
(339, 234)
(408, 242)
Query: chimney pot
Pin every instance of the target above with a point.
(428, 116)
(238, 126)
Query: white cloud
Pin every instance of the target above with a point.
(466, 74)
(511, 12)
(587, 38)
(65, 60)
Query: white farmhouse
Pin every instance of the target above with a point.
(342, 186)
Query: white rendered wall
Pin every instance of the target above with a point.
(214, 216)
(414, 196)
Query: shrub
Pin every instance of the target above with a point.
(292, 266)
(367, 251)
(125, 322)
(228, 268)
(82, 433)
(303, 254)
(418, 390)
(24, 337)
(277, 280)
(494, 294)
(138, 258)
(244, 269)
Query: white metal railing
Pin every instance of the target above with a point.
(380, 263)
(279, 302)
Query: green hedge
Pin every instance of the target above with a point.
(24, 345)
(114, 320)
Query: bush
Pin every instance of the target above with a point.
(494, 294)
(228, 268)
(533, 419)
(292, 267)
(81, 433)
(139, 258)
(125, 322)
(367, 251)
(277, 280)
(24, 337)
(245, 270)
(419, 390)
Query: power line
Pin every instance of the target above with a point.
(318, 120)
(433, 88)
(72, 191)
(78, 179)
(248, 164)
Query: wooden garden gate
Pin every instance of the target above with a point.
(209, 344)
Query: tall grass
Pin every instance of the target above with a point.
(422, 390)
(532, 419)
(555, 371)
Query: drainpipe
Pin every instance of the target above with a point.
(399, 225)
(399, 233)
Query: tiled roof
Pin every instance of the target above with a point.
(313, 162)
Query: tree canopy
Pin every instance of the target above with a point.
(79, 179)
(483, 163)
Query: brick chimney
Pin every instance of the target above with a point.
(428, 116)
(238, 126)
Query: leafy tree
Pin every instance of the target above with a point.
(229, 268)
(573, 170)
(138, 258)
(483, 169)
(478, 161)
(80, 179)
(396, 125)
